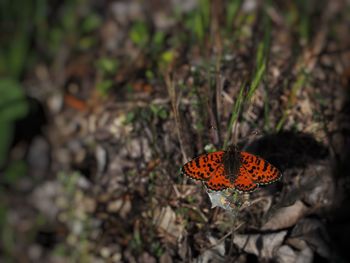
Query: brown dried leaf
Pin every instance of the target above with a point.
(147, 258)
(260, 245)
(305, 256)
(286, 217)
(314, 233)
(215, 253)
(165, 258)
(286, 254)
(320, 184)
(165, 220)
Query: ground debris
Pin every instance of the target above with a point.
(261, 245)
(119, 94)
(167, 224)
(286, 217)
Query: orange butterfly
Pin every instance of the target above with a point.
(231, 169)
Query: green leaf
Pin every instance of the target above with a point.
(104, 86)
(139, 33)
(12, 101)
(166, 58)
(149, 74)
(199, 27)
(17, 53)
(158, 38)
(14, 171)
(13, 106)
(232, 9)
(130, 117)
(91, 22)
(6, 131)
(107, 65)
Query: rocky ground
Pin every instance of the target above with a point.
(123, 93)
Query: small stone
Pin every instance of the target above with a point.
(89, 204)
(117, 257)
(105, 252)
(114, 206)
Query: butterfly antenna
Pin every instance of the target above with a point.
(250, 137)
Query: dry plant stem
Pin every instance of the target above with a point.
(215, 214)
(235, 133)
(220, 80)
(218, 94)
(178, 195)
(194, 208)
(217, 42)
(214, 125)
(212, 116)
(175, 107)
(222, 238)
(234, 136)
(216, 7)
(227, 98)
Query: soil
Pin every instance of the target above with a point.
(116, 110)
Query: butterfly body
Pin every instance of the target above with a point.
(231, 169)
(231, 161)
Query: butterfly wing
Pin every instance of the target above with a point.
(254, 171)
(204, 166)
(259, 170)
(244, 181)
(219, 181)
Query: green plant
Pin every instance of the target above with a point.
(13, 106)
(236, 109)
(14, 171)
(107, 68)
(165, 59)
(245, 95)
(159, 111)
(14, 47)
(231, 12)
(298, 84)
(198, 21)
(139, 34)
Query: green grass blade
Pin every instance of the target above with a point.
(236, 109)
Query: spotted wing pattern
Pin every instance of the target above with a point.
(259, 170)
(254, 171)
(203, 167)
(219, 181)
(244, 181)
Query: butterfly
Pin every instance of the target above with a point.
(231, 168)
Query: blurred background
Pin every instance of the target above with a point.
(102, 102)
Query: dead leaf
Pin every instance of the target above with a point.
(75, 103)
(320, 184)
(313, 232)
(147, 258)
(305, 256)
(165, 258)
(286, 217)
(165, 220)
(260, 245)
(286, 254)
(215, 253)
(122, 206)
